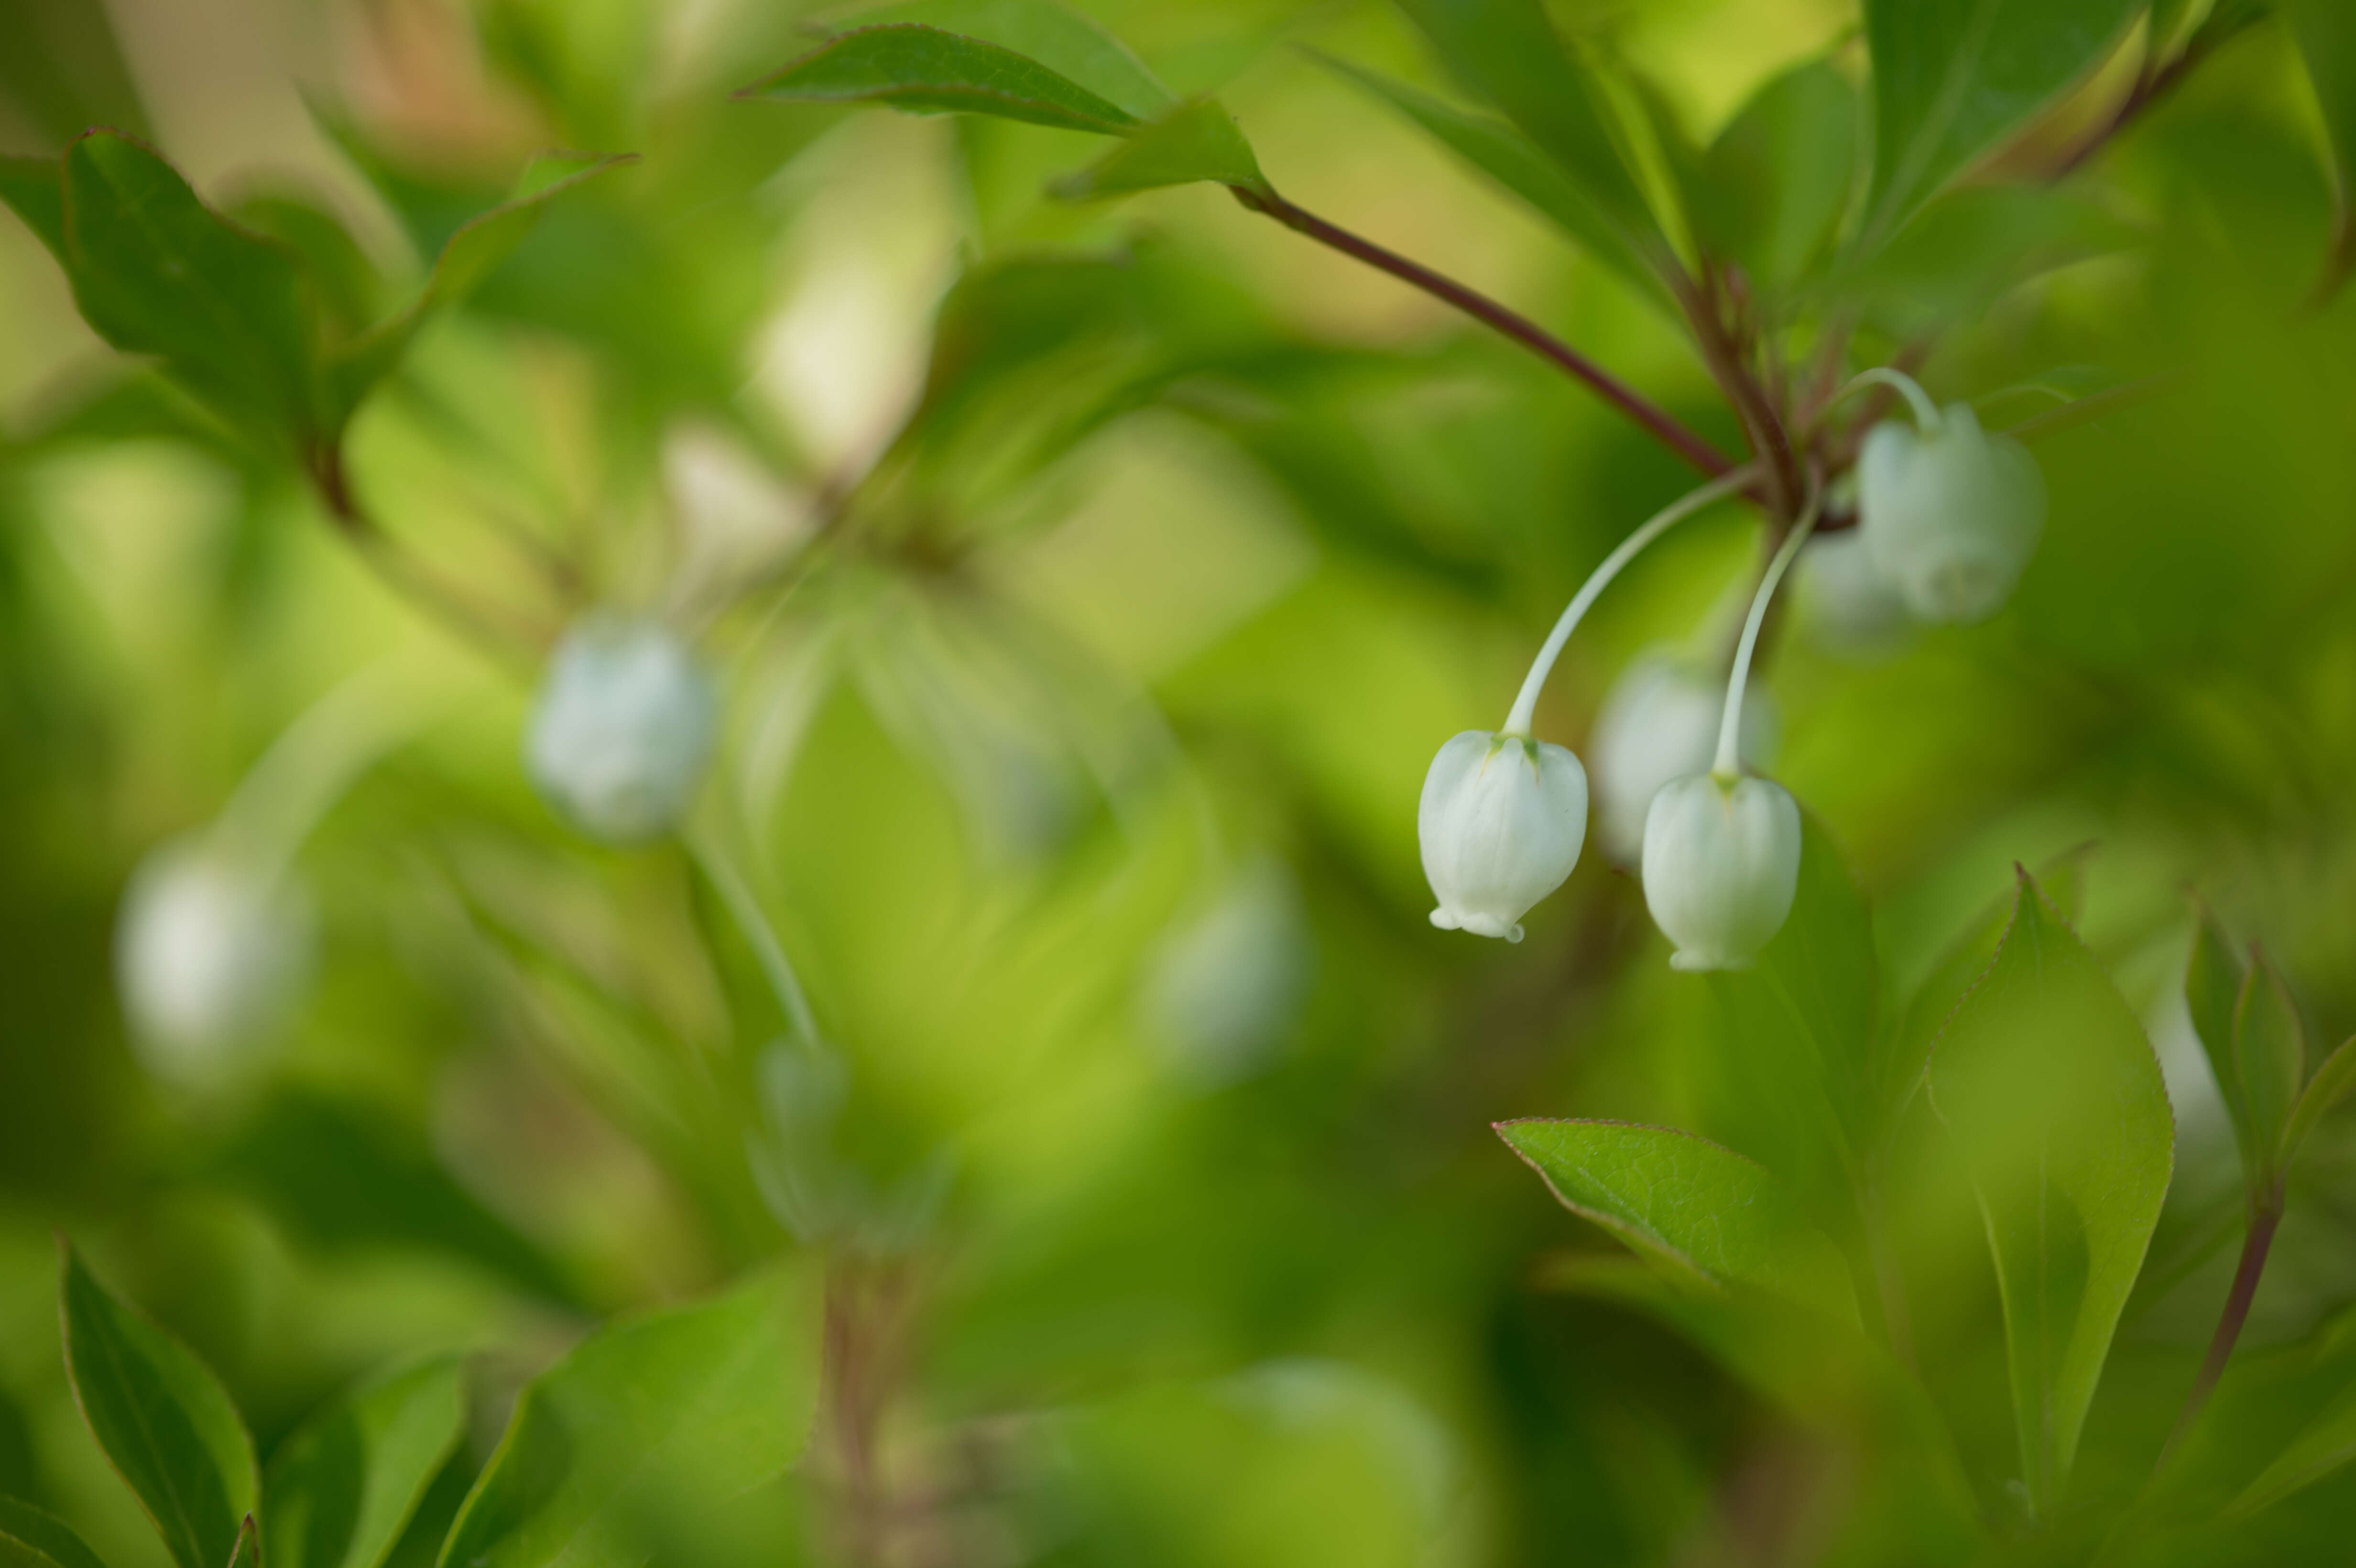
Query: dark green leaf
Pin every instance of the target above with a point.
(2051, 1091)
(31, 1538)
(1954, 77)
(1508, 51)
(345, 287)
(34, 189)
(1702, 1209)
(2326, 31)
(156, 272)
(340, 1176)
(249, 1545)
(1505, 156)
(1197, 141)
(342, 1488)
(2269, 1056)
(472, 253)
(2325, 1090)
(927, 70)
(2324, 1445)
(1972, 246)
(650, 1420)
(1070, 45)
(1773, 186)
(63, 70)
(161, 1417)
(2212, 988)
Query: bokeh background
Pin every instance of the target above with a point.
(1076, 768)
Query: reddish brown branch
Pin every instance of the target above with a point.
(1663, 427)
(2265, 1216)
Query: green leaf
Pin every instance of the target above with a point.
(1196, 141)
(343, 1487)
(1702, 1209)
(1507, 156)
(31, 1538)
(63, 70)
(156, 272)
(2326, 31)
(2324, 1445)
(1954, 77)
(1821, 965)
(249, 1546)
(1508, 51)
(643, 1422)
(2325, 1090)
(471, 255)
(1773, 187)
(344, 285)
(2051, 1091)
(2212, 989)
(35, 192)
(162, 1420)
(1070, 45)
(340, 1176)
(928, 71)
(2270, 1057)
(1972, 246)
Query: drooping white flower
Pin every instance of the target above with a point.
(211, 954)
(1501, 823)
(1227, 981)
(1950, 514)
(1721, 866)
(621, 729)
(1660, 722)
(1851, 605)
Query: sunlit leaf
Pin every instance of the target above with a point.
(2054, 1100)
(1195, 142)
(1699, 1207)
(647, 1421)
(162, 1420)
(31, 1538)
(1070, 45)
(1954, 77)
(1499, 151)
(1508, 52)
(343, 1487)
(927, 70)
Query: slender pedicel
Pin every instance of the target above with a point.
(1526, 702)
(1927, 413)
(1730, 726)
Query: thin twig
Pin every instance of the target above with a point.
(1664, 427)
(2265, 1216)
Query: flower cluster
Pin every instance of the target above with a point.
(1947, 516)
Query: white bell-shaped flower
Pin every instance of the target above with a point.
(1950, 513)
(621, 729)
(1851, 606)
(1721, 866)
(1501, 823)
(1660, 722)
(212, 954)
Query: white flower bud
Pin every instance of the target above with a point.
(621, 729)
(1501, 823)
(1950, 514)
(211, 954)
(1721, 864)
(1660, 722)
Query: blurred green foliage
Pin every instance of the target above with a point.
(1089, 584)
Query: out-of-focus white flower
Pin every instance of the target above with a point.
(1228, 982)
(1660, 722)
(211, 954)
(621, 729)
(1950, 514)
(1501, 823)
(1721, 866)
(1849, 603)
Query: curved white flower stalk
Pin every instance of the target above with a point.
(621, 728)
(1949, 513)
(1722, 849)
(215, 943)
(1504, 815)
